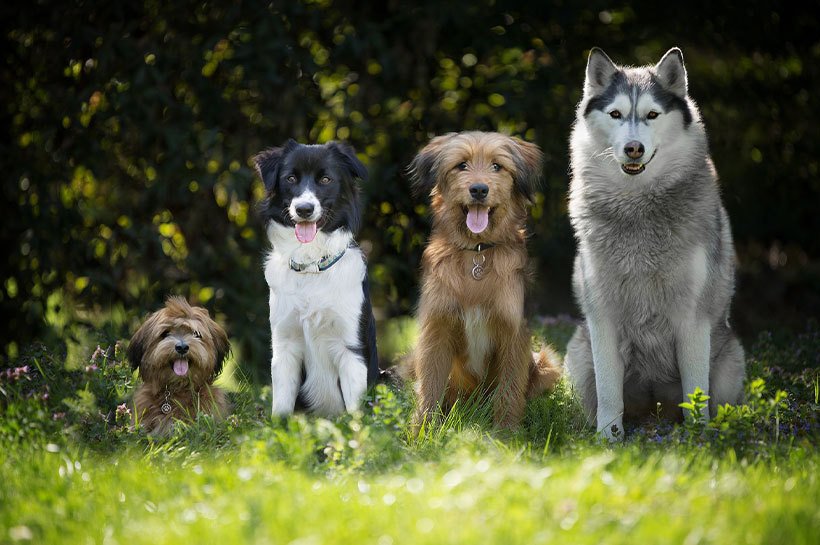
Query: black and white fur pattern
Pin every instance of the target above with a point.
(654, 271)
(323, 333)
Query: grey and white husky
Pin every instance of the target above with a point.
(654, 271)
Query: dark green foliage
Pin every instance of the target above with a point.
(130, 128)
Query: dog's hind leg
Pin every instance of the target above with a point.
(512, 365)
(727, 370)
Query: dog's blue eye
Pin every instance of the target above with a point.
(325, 180)
(652, 115)
(496, 167)
(615, 114)
(291, 179)
(462, 165)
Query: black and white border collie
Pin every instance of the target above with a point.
(322, 328)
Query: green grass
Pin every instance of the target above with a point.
(68, 476)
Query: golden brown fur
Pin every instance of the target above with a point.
(453, 304)
(154, 350)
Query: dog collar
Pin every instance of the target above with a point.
(479, 259)
(481, 246)
(318, 266)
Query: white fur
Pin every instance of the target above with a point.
(307, 197)
(478, 341)
(609, 369)
(315, 319)
(693, 331)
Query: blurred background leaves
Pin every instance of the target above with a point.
(130, 127)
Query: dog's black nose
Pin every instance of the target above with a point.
(634, 149)
(479, 191)
(304, 210)
(181, 348)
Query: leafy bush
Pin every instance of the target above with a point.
(130, 128)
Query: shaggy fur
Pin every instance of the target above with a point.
(472, 332)
(179, 351)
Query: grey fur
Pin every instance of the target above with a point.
(666, 82)
(640, 240)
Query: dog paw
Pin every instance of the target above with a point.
(612, 433)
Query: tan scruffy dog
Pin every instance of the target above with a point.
(472, 330)
(179, 351)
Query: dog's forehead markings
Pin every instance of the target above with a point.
(647, 102)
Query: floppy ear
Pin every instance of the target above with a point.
(267, 164)
(423, 169)
(672, 73)
(529, 161)
(600, 70)
(139, 342)
(221, 343)
(347, 155)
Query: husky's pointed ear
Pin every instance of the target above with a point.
(267, 164)
(529, 161)
(672, 73)
(347, 155)
(600, 70)
(423, 170)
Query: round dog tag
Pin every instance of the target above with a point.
(478, 270)
(165, 408)
(478, 266)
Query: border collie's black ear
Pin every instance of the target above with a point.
(139, 342)
(347, 154)
(267, 163)
(423, 169)
(529, 162)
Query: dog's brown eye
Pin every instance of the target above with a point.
(652, 115)
(325, 180)
(291, 179)
(615, 114)
(496, 167)
(164, 334)
(462, 165)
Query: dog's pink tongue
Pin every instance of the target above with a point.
(181, 367)
(477, 218)
(305, 231)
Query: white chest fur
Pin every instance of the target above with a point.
(315, 323)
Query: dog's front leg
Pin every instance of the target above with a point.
(512, 371)
(609, 377)
(286, 373)
(692, 349)
(433, 361)
(352, 379)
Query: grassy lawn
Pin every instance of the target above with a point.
(68, 476)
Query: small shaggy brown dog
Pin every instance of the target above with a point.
(179, 351)
(472, 329)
